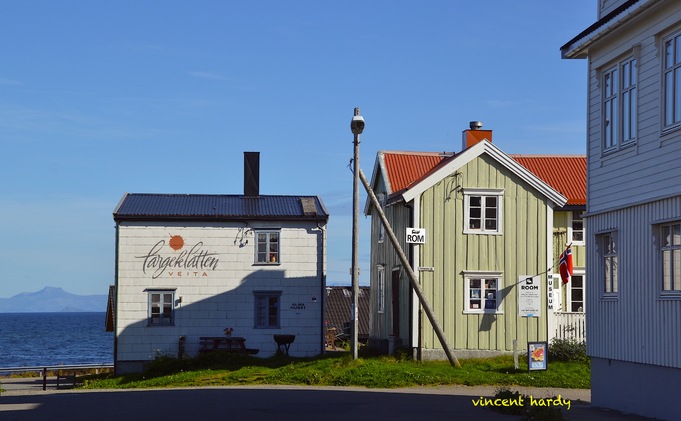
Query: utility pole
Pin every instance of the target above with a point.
(357, 126)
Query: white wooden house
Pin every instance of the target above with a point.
(633, 219)
(190, 266)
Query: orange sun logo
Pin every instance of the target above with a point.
(176, 242)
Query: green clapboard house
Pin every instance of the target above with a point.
(488, 253)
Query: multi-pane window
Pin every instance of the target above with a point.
(483, 211)
(267, 247)
(608, 255)
(671, 256)
(482, 293)
(160, 305)
(619, 104)
(576, 293)
(380, 296)
(576, 227)
(267, 309)
(672, 81)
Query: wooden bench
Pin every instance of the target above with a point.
(234, 344)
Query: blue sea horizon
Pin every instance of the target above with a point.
(51, 339)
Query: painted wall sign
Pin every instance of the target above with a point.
(298, 306)
(529, 296)
(194, 261)
(416, 236)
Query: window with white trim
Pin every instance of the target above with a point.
(576, 228)
(482, 293)
(267, 309)
(267, 247)
(576, 293)
(670, 250)
(160, 307)
(607, 249)
(380, 296)
(672, 81)
(482, 211)
(619, 105)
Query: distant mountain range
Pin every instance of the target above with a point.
(51, 300)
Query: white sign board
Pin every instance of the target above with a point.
(529, 296)
(416, 236)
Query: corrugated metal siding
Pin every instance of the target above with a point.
(218, 206)
(639, 326)
(521, 250)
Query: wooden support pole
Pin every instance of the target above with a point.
(410, 273)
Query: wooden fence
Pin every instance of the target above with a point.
(570, 326)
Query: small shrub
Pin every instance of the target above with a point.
(567, 350)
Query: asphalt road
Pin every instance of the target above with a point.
(26, 401)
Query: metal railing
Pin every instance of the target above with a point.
(43, 370)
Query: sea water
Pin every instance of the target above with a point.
(47, 339)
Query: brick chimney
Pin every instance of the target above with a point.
(475, 135)
(251, 173)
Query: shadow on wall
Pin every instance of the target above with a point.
(263, 304)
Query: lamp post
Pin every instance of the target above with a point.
(357, 126)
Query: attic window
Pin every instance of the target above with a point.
(483, 210)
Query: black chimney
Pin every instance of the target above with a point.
(251, 173)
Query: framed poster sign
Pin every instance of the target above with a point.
(537, 353)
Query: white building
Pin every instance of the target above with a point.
(633, 219)
(192, 265)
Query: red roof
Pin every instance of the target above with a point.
(403, 168)
(565, 173)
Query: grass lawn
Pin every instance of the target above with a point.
(341, 370)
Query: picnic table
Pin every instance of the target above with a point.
(235, 344)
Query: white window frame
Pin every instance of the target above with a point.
(620, 103)
(262, 308)
(483, 194)
(577, 273)
(477, 287)
(572, 230)
(271, 254)
(607, 244)
(670, 245)
(380, 282)
(160, 307)
(671, 82)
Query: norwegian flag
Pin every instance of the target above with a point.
(565, 264)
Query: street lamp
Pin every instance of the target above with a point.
(357, 127)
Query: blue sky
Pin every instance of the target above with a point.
(102, 98)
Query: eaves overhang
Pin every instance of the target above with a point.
(578, 47)
(470, 154)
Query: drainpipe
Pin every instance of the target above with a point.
(322, 293)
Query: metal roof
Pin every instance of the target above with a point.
(403, 168)
(142, 206)
(339, 309)
(565, 173)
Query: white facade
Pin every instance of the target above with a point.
(212, 271)
(634, 205)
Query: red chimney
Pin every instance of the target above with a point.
(475, 135)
